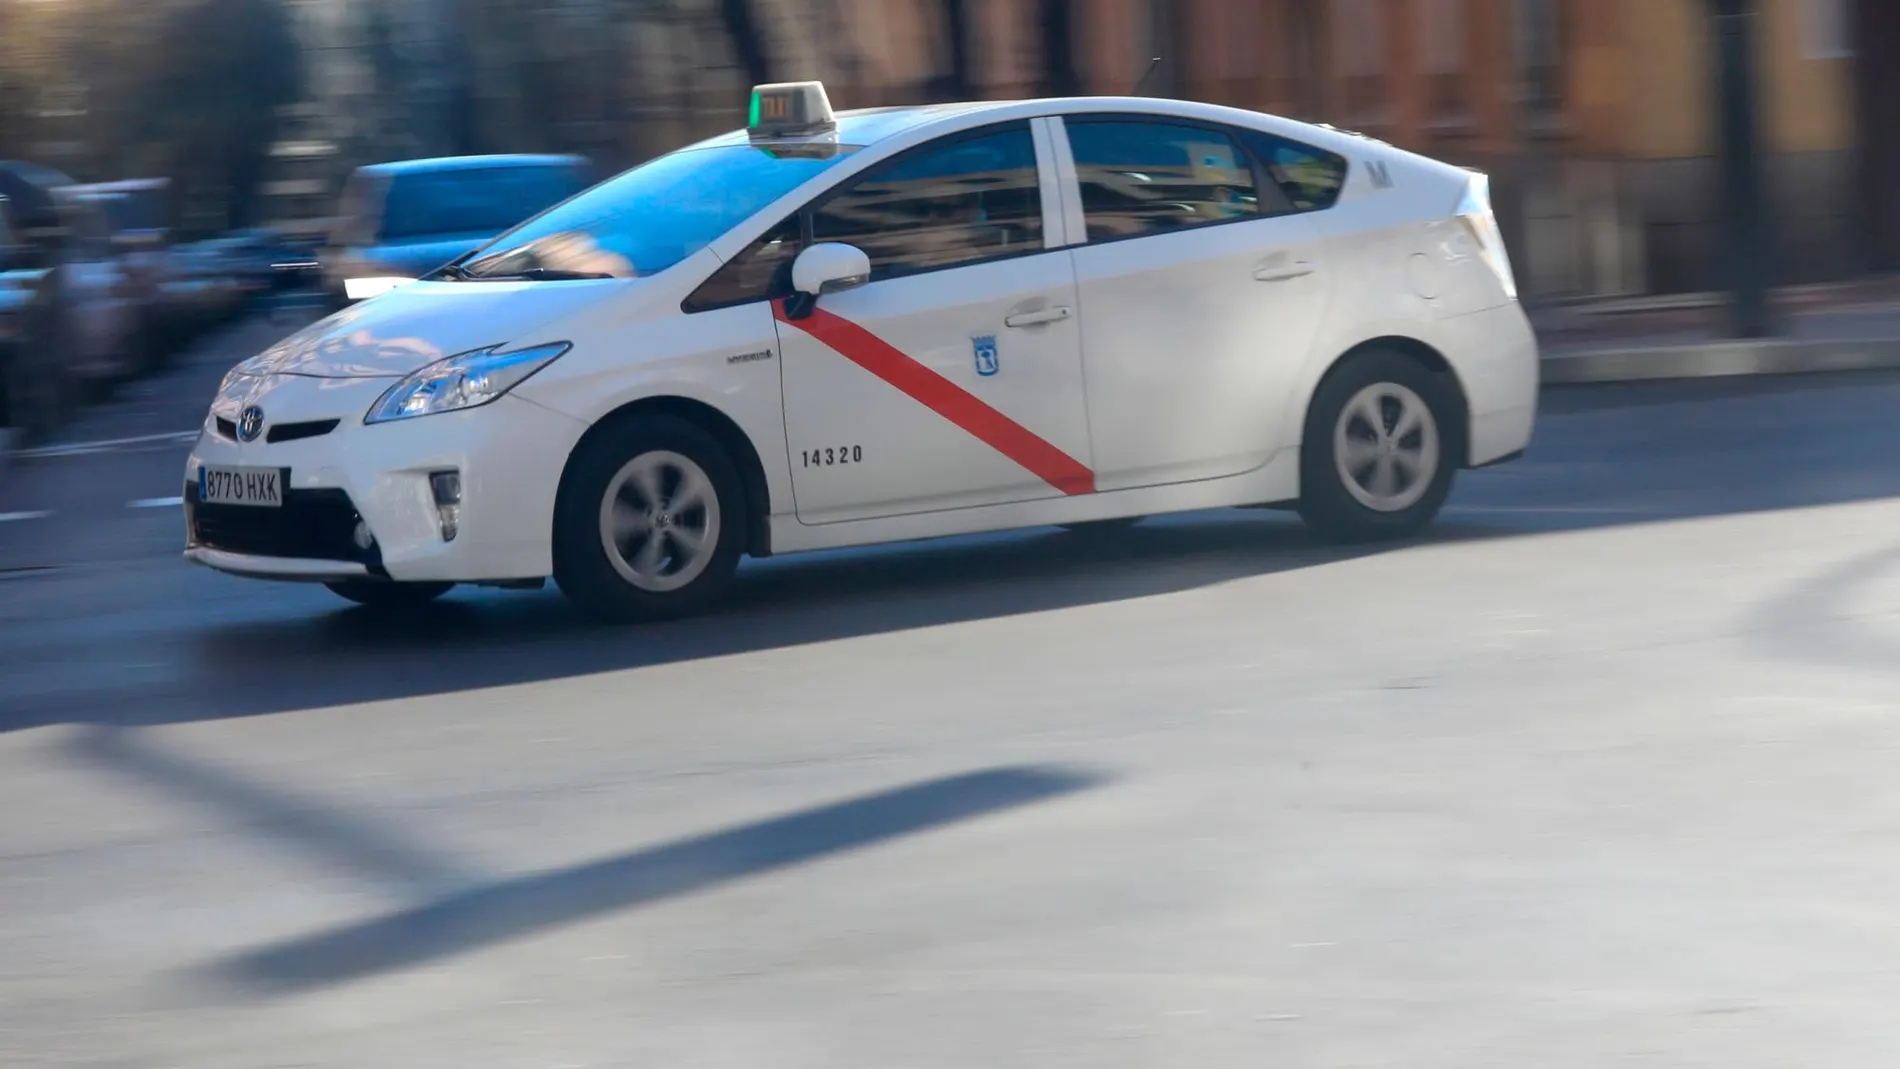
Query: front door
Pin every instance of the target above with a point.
(953, 379)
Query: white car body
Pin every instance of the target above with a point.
(1157, 374)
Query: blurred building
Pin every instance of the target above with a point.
(1594, 116)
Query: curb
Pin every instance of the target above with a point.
(1724, 359)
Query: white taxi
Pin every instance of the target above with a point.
(834, 329)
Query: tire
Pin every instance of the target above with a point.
(1389, 486)
(1100, 527)
(646, 482)
(385, 595)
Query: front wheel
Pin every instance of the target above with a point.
(650, 521)
(1379, 451)
(384, 595)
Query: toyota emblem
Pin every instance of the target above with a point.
(250, 423)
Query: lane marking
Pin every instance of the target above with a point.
(9, 517)
(107, 445)
(155, 503)
(946, 398)
(1556, 510)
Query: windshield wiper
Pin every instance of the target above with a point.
(545, 274)
(452, 272)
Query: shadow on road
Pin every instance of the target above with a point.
(368, 848)
(486, 914)
(272, 658)
(1815, 621)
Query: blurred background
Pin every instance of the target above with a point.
(1630, 149)
(1601, 773)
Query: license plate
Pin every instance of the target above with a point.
(261, 487)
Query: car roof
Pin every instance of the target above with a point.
(437, 164)
(865, 127)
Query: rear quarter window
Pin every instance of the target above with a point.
(1311, 177)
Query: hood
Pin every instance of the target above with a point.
(423, 322)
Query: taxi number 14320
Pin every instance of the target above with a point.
(834, 455)
(262, 487)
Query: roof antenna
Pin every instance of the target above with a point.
(1139, 82)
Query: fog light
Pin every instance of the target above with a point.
(362, 537)
(446, 488)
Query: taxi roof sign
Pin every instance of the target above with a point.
(790, 109)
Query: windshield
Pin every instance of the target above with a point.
(482, 200)
(648, 219)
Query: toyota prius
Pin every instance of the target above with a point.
(834, 329)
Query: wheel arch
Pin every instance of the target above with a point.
(1427, 357)
(726, 431)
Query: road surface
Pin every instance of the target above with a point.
(1601, 773)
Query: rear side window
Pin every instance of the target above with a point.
(1144, 177)
(953, 202)
(1310, 177)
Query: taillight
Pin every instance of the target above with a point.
(1475, 212)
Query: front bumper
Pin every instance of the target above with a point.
(294, 569)
(510, 455)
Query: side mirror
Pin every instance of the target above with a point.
(827, 267)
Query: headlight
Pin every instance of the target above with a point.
(362, 289)
(464, 381)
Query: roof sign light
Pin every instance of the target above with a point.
(790, 109)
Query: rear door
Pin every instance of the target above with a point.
(1203, 286)
(953, 378)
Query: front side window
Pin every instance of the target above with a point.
(652, 217)
(1141, 177)
(963, 200)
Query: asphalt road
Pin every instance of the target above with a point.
(1600, 774)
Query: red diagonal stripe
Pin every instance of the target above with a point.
(947, 399)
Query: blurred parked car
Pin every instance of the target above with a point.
(251, 256)
(199, 285)
(105, 334)
(32, 370)
(136, 212)
(88, 286)
(397, 221)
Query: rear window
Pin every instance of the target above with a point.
(483, 200)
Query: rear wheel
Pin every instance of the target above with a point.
(650, 521)
(1379, 451)
(382, 595)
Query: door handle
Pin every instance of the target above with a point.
(1283, 274)
(1046, 315)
